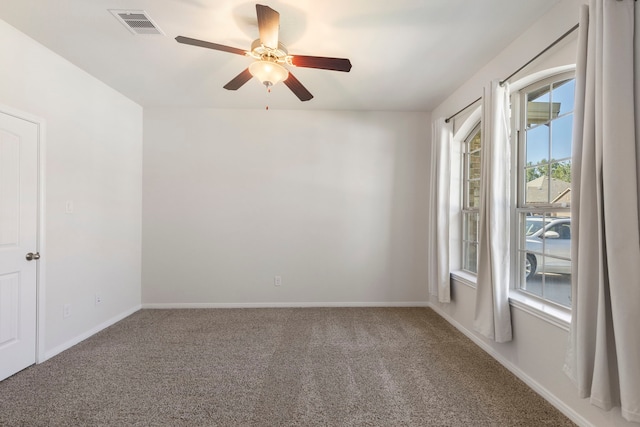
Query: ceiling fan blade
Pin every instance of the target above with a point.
(268, 24)
(239, 80)
(209, 45)
(296, 87)
(335, 64)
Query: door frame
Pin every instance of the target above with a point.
(40, 227)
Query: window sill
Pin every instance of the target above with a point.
(550, 313)
(464, 277)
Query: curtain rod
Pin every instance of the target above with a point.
(502, 82)
(558, 40)
(448, 119)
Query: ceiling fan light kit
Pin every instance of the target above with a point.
(269, 73)
(270, 57)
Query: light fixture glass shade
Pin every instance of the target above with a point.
(269, 73)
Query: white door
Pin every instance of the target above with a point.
(18, 237)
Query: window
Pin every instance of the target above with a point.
(472, 146)
(543, 189)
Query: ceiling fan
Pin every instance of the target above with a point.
(270, 56)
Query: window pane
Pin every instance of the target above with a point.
(538, 110)
(474, 144)
(471, 159)
(561, 183)
(557, 241)
(537, 140)
(537, 186)
(531, 281)
(470, 257)
(470, 241)
(539, 95)
(557, 288)
(561, 132)
(532, 232)
(532, 224)
(470, 227)
(544, 256)
(563, 95)
(474, 165)
(473, 199)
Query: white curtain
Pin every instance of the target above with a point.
(603, 357)
(439, 202)
(492, 316)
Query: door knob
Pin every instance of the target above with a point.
(31, 256)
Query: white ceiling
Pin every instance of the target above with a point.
(406, 54)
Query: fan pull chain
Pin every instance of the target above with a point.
(268, 91)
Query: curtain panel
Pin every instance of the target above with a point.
(492, 315)
(603, 357)
(439, 201)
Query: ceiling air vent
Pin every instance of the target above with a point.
(136, 21)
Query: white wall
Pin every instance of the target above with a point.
(94, 158)
(334, 202)
(537, 351)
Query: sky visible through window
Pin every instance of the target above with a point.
(539, 136)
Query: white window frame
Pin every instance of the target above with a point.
(465, 209)
(535, 304)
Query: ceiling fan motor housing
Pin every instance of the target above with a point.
(264, 53)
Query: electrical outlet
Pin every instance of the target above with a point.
(66, 311)
(98, 299)
(277, 281)
(68, 207)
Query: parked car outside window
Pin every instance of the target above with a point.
(548, 245)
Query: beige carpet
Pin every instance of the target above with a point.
(274, 367)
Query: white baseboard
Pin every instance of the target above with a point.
(286, 304)
(536, 386)
(76, 340)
